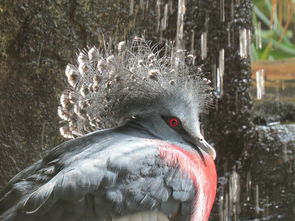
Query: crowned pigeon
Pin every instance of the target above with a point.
(135, 150)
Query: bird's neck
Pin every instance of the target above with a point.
(201, 170)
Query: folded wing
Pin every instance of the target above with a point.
(101, 179)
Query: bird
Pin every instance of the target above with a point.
(135, 150)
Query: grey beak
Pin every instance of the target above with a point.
(202, 144)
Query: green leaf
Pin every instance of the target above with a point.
(278, 30)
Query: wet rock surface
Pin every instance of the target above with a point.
(272, 165)
(269, 112)
(262, 185)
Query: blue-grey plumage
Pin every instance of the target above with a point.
(102, 175)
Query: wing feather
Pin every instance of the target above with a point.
(101, 179)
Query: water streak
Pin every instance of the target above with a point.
(226, 208)
(229, 34)
(266, 209)
(214, 73)
(193, 42)
(285, 153)
(249, 40)
(277, 98)
(180, 24)
(257, 208)
(258, 36)
(260, 89)
(244, 42)
(218, 83)
(220, 73)
(232, 9)
(165, 17)
(170, 3)
(158, 13)
(131, 7)
(248, 186)
(222, 14)
(221, 203)
(204, 45)
(234, 193)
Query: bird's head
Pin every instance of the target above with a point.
(174, 116)
(163, 94)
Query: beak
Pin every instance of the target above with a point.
(202, 144)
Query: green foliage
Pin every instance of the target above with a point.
(276, 40)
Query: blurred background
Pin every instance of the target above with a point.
(247, 49)
(273, 59)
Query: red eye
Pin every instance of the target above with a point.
(174, 122)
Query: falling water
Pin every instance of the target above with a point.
(244, 42)
(258, 36)
(277, 99)
(221, 61)
(220, 73)
(224, 206)
(257, 208)
(232, 9)
(229, 196)
(283, 85)
(204, 37)
(180, 51)
(248, 186)
(229, 24)
(170, 4)
(193, 42)
(165, 17)
(222, 14)
(234, 193)
(221, 203)
(180, 24)
(260, 83)
(204, 45)
(214, 74)
(285, 153)
(158, 13)
(249, 41)
(266, 209)
(131, 7)
(218, 83)
(229, 34)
